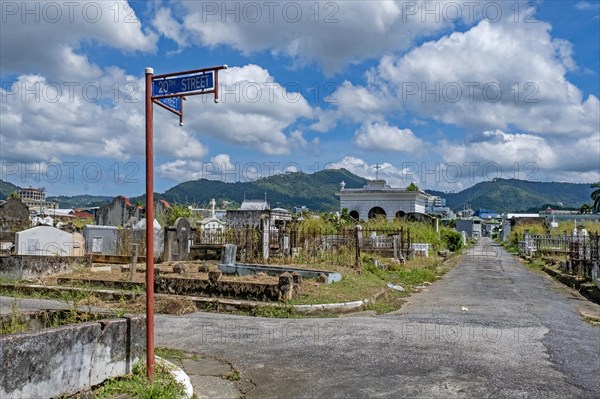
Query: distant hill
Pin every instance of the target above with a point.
(80, 201)
(315, 191)
(6, 188)
(511, 195)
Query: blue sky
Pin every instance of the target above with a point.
(444, 93)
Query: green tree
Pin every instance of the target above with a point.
(14, 194)
(585, 208)
(346, 218)
(596, 197)
(412, 187)
(177, 211)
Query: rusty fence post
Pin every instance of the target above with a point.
(133, 266)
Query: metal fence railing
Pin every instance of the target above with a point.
(582, 252)
(293, 245)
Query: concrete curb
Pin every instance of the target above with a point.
(339, 307)
(346, 306)
(203, 302)
(588, 290)
(179, 375)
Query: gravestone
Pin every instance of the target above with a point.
(286, 282)
(138, 234)
(420, 249)
(464, 237)
(177, 240)
(228, 255)
(286, 245)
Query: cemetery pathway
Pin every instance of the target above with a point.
(489, 329)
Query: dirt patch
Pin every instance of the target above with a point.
(190, 270)
(176, 306)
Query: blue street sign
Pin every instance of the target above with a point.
(173, 103)
(183, 84)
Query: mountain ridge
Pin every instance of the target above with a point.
(317, 192)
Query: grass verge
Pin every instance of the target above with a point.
(375, 275)
(137, 386)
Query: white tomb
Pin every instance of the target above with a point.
(379, 199)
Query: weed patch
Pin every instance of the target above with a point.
(137, 386)
(286, 312)
(169, 353)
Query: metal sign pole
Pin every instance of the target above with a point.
(149, 228)
(195, 82)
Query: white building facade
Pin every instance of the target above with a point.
(379, 199)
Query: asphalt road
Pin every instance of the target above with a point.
(489, 329)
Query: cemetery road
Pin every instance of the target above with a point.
(489, 329)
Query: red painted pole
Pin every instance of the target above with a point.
(149, 227)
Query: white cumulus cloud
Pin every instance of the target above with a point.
(384, 137)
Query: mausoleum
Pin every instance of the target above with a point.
(377, 198)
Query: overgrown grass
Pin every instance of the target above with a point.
(169, 353)
(16, 321)
(286, 312)
(419, 231)
(390, 302)
(538, 228)
(137, 386)
(510, 247)
(372, 280)
(536, 264)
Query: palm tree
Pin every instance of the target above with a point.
(596, 197)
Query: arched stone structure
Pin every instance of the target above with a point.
(376, 211)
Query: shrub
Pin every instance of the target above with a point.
(452, 239)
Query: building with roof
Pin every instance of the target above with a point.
(35, 200)
(436, 205)
(377, 198)
(251, 213)
(486, 214)
(471, 227)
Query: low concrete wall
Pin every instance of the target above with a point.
(589, 290)
(225, 289)
(245, 269)
(119, 285)
(205, 287)
(116, 259)
(18, 267)
(64, 360)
